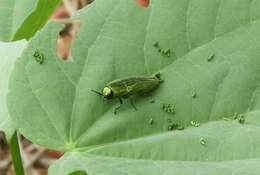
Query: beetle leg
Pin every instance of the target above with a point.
(132, 103)
(119, 106)
(158, 76)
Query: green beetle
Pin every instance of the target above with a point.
(124, 88)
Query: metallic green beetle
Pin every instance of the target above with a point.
(124, 88)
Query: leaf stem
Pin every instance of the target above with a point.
(16, 156)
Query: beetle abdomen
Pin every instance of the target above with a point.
(134, 85)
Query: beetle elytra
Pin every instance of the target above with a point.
(124, 88)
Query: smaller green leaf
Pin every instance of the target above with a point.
(21, 19)
(9, 52)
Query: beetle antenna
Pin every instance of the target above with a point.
(97, 92)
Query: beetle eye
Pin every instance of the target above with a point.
(107, 92)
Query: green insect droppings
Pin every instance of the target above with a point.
(156, 44)
(165, 52)
(195, 123)
(162, 51)
(203, 141)
(39, 57)
(151, 121)
(241, 119)
(211, 57)
(194, 95)
(168, 108)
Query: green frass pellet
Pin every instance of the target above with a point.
(168, 108)
(156, 44)
(211, 57)
(151, 121)
(161, 50)
(165, 52)
(202, 141)
(194, 95)
(241, 119)
(195, 123)
(39, 57)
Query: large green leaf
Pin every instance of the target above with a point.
(9, 52)
(111, 166)
(53, 105)
(21, 19)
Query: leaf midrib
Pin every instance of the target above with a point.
(80, 79)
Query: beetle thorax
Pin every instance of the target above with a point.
(107, 92)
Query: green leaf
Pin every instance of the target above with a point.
(215, 50)
(21, 19)
(9, 52)
(111, 165)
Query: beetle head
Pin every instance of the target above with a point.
(107, 93)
